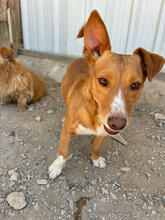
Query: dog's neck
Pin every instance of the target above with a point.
(89, 101)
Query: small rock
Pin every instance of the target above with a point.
(125, 169)
(104, 191)
(70, 156)
(16, 200)
(144, 206)
(159, 116)
(71, 204)
(94, 182)
(11, 141)
(8, 133)
(1, 171)
(31, 109)
(14, 176)
(5, 133)
(89, 210)
(45, 104)
(42, 182)
(23, 156)
(39, 147)
(148, 176)
(62, 212)
(50, 112)
(36, 206)
(113, 195)
(153, 212)
(38, 118)
(10, 172)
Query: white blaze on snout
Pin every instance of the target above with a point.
(118, 104)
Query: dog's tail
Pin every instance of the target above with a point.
(81, 32)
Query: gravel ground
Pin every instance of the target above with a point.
(130, 187)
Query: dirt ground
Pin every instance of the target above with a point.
(132, 186)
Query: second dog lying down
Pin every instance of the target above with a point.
(17, 83)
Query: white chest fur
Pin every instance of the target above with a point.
(81, 130)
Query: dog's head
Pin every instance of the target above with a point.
(6, 55)
(116, 80)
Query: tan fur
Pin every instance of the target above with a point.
(17, 83)
(89, 104)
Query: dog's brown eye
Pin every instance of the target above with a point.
(103, 82)
(135, 86)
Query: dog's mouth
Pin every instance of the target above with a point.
(111, 131)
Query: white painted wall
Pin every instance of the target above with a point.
(52, 25)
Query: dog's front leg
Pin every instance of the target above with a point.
(22, 102)
(57, 166)
(97, 160)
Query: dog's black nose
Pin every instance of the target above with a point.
(116, 122)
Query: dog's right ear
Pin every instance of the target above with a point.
(7, 53)
(96, 39)
(81, 32)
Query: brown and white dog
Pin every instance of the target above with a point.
(17, 83)
(100, 90)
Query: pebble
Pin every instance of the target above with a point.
(16, 200)
(14, 176)
(113, 195)
(5, 133)
(10, 172)
(49, 112)
(159, 116)
(42, 182)
(94, 182)
(125, 169)
(36, 206)
(11, 141)
(104, 191)
(23, 156)
(39, 147)
(71, 204)
(31, 109)
(62, 212)
(8, 133)
(144, 206)
(38, 118)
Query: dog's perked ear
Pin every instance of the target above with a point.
(151, 63)
(96, 39)
(7, 53)
(81, 32)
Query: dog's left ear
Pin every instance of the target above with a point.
(151, 63)
(7, 53)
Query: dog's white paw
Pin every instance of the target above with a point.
(56, 167)
(100, 162)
